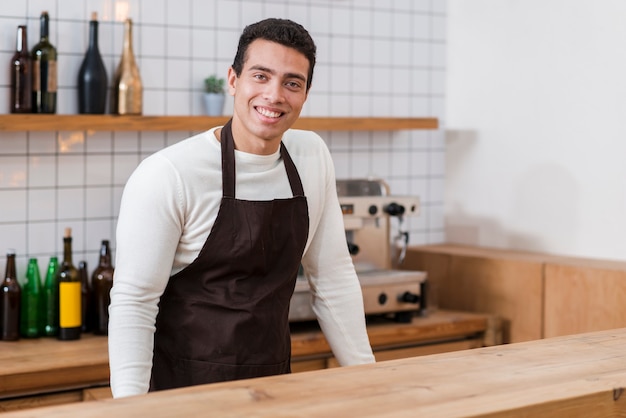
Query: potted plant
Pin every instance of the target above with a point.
(214, 95)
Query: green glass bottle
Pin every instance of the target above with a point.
(31, 293)
(44, 56)
(49, 308)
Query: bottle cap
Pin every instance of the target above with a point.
(11, 251)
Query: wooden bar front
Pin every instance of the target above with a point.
(580, 375)
(45, 371)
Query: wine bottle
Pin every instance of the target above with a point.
(10, 294)
(50, 300)
(92, 76)
(101, 283)
(21, 75)
(44, 57)
(31, 293)
(86, 300)
(127, 88)
(69, 293)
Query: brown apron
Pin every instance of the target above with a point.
(225, 316)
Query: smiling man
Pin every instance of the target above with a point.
(212, 232)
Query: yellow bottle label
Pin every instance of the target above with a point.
(70, 304)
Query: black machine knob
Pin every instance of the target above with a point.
(394, 209)
(382, 298)
(353, 249)
(409, 297)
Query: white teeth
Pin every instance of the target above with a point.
(268, 113)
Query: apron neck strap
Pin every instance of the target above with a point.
(228, 165)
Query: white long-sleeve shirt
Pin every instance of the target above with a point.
(168, 208)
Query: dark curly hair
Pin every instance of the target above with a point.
(283, 31)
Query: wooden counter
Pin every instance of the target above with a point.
(581, 375)
(64, 371)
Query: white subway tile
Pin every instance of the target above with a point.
(97, 202)
(42, 171)
(204, 13)
(153, 11)
(42, 204)
(41, 243)
(72, 9)
(71, 170)
(16, 210)
(13, 8)
(71, 205)
(12, 236)
(178, 12)
(13, 172)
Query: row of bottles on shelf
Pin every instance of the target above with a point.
(64, 305)
(34, 75)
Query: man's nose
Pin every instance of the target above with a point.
(274, 92)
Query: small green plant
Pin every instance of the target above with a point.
(214, 84)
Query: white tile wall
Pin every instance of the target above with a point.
(374, 59)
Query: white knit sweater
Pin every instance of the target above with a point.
(168, 208)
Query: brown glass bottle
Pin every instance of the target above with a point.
(86, 298)
(69, 293)
(44, 56)
(10, 295)
(127, 93)
(21, 75)
(102, 282)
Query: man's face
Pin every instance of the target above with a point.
(269, 95)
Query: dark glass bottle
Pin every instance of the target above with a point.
(102, 282)
(49, 302)
(21, 75)
(31, 293)
(86, 298)
(69, 293)
(44, 56)
(10, 294)
(92, 76)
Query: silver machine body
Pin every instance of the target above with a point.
(368, 209)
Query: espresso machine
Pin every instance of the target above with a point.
(368, 213)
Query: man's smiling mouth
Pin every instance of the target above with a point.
(268, 113)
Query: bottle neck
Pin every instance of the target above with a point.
(93, 34)
(105, 255)
(128, 37)
(67, 250)
(22, 44)
(43, 31)
(10, 268)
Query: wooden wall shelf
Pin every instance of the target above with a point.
(39, 122)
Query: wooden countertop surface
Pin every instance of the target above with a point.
(574, 376)
(44, 365)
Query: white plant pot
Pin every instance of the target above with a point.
(214, 104)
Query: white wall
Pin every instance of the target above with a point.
(374, 59)
(536, 126)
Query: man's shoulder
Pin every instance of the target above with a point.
(298, 139)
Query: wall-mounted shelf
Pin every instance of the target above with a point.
(40, 122)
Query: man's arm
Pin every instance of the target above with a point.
(148, 232)
(337, 296)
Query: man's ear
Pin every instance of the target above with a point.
(232, 81)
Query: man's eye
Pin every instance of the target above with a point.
(293, 85)
(260, 76)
